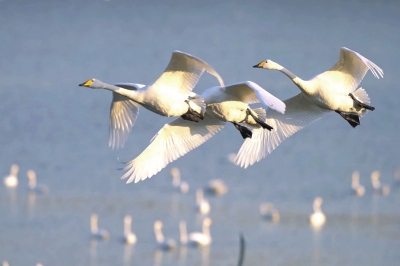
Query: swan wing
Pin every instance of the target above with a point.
(171, 142)
(123, 114)
(352, 68)
(182, 73)
(250, 92)
(299, 113)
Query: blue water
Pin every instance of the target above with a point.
(60, 130)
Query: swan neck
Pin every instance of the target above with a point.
(127, 225)
(183, 232)
(206, 229)
(301, 84)
(159, 235)
(199, 196)
(93, 224)
(32, 182)
(131, 94)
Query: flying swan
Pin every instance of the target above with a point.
(332, 90)
(223, 104)
(170, 95)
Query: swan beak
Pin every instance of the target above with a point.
(259, 65)
(86, 83)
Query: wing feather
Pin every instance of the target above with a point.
(299, 113)
(171, 142)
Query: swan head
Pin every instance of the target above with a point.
(268, 64)
(92, 83)
(158, 224)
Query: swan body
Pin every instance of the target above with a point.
(376, 184)
(11, 180)
(196, 239)
(317, 219)
(333, 90)
(96, 232)
(223, 104)
(356, 187)
(162, 243)
(216, 187)
(178, 185)
(202, 204)
(129, 237)
(268, 212)
(33, 186)
(170, 95)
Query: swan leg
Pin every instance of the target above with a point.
(259, 121)
(244, 131)
(353, 119)
(363, 105)
(192, 115)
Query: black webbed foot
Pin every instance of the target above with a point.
(353, 119)
(244, 131)
(259, 121)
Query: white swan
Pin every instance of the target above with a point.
(33, 186)
(170, 95)
(357, 188)
(162, 243)
(376, 184)
(202, 204)
(96, 232)
(177, 184)
(129, 237)
(196, 239)
(216, 187)
(334, 89)
(268, 212)
(11, 180)
(224, 104)
(317, 219)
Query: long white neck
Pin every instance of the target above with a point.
(206, 228)
(176, 180)
(93, 223)
(199, 196)
(317, 207)
(355, 181)
(32, 179)
(14, 170)
(134, 95)
(183, 232)
(301, 84)
(158, 233)
(127, 224)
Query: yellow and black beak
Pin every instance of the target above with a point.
(86, 83)
(259, 65)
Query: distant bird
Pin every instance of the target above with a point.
(196, 238)
(170, 95)
(96, 232)
(202, 204)
(162, 244)
(129, 237)
(216, 187)
(356, 187)
(177, 184)
(33, 185)
(11, 180)
(268, 212)
(5, 263)
(376, 184)
(223, 104)
(333, 90)
(317, 219)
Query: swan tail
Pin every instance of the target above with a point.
(198, 105)
(261, 113)
(362, 96)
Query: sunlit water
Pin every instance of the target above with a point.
(51, 125)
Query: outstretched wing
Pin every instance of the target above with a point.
(171, 142)
(299, 113)
(351, 69)
(250, 92)
(182, 73)
(123, 114)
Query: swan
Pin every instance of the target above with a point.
(317, 219)
(11, 180)
(196, 239)
(223, 104)
(170, 95)
(268, 212)
(216, 187)
(202, 204)
(162, 244)
(96, 232)
(332, 90)
(376, 184)
(33, 186)
(357, 188)
(177, 184)
(129, 237)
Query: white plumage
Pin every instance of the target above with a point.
(129, 237)
(170, 95)
(33, 186)
(216, 187)
(356, 187)
(317, 219)
(332, 90)
(96, 232)
(11, 180)
(162, 243)
(196, 239)
(224, 104)
(268, 212)
(177, 183)
(202, 204)
(376, 184)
